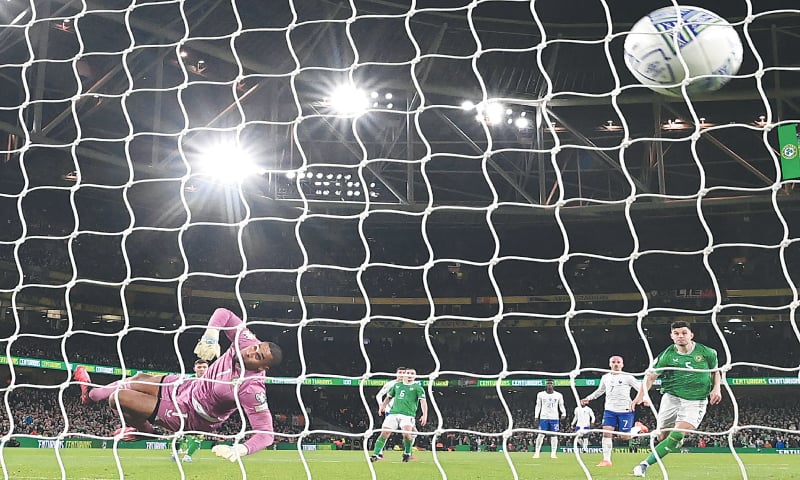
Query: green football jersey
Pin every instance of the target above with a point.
(406, 398)
(684, 383)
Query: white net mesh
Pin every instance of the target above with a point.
(477, 190)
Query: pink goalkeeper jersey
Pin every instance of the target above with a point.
(211, 399)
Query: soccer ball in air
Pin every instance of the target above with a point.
(707, 43)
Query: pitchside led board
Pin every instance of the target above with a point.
(790, 156)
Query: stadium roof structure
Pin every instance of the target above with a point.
(129, 89)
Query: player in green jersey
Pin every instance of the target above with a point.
(407, 396)
(188, 444)
(688, 384)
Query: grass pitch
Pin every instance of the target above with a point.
(96, 464)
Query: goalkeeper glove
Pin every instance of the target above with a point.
(230, 453)
(208, 346)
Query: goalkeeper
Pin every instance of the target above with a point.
(203, 404)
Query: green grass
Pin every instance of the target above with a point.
(33, 464)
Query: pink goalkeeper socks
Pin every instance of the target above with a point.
(100, 394)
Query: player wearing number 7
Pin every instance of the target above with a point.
(201, 404)
(617, 413)
(688, 384)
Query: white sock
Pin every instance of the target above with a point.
(539, 442)
(635, 430)
(586, 443)
(608, 445)
(553, 445)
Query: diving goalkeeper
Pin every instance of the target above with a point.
(201, 404)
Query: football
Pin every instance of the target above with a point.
(659, 44)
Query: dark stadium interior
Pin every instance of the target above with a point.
(115, 249)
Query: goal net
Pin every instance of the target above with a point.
(480, 191)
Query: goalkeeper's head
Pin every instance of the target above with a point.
(261, 357)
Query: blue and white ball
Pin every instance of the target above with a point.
(707, 43)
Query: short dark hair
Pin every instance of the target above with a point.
(550, 380)
(680, 324)
(400, 368)
(277, 354)
(200, 361)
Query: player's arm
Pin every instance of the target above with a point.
(383, 391)
(716, 389)
(641, 395)
(423, 403)
(208, 346)
(253, 399)
(599, 392)
(538, 409)
(561, 406)
(636, 385)
(386, 400)
(575, 416)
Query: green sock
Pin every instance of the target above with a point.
(379, 443)
(407, 445)
(194, 445)
(665, 447)
(182, 446)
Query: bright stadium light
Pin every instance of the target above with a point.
(494, 113)
(227, 163)
(522, 123)
(348, 100)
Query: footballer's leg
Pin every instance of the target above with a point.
(137, 408)
(408, 440)
(138, 402)
(414, 439)
(377, 453)
(539, 442)
(82, 376)
(554, 428)
(195, 442)
(607, 444)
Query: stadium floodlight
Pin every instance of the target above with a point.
(227, 163)
(348, 100)
(522, 123)
(492, 113)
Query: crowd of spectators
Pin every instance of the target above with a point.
(398, 268)
(468, 417)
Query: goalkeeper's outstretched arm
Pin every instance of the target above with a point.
(208, 346)
(253, 398)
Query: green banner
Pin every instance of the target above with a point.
(790, 162)
(59, 365)
(377, 382)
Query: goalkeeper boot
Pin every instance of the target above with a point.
(406, 457)
(81, 375)
(375, 458)
(639, 470)
(187, 459)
